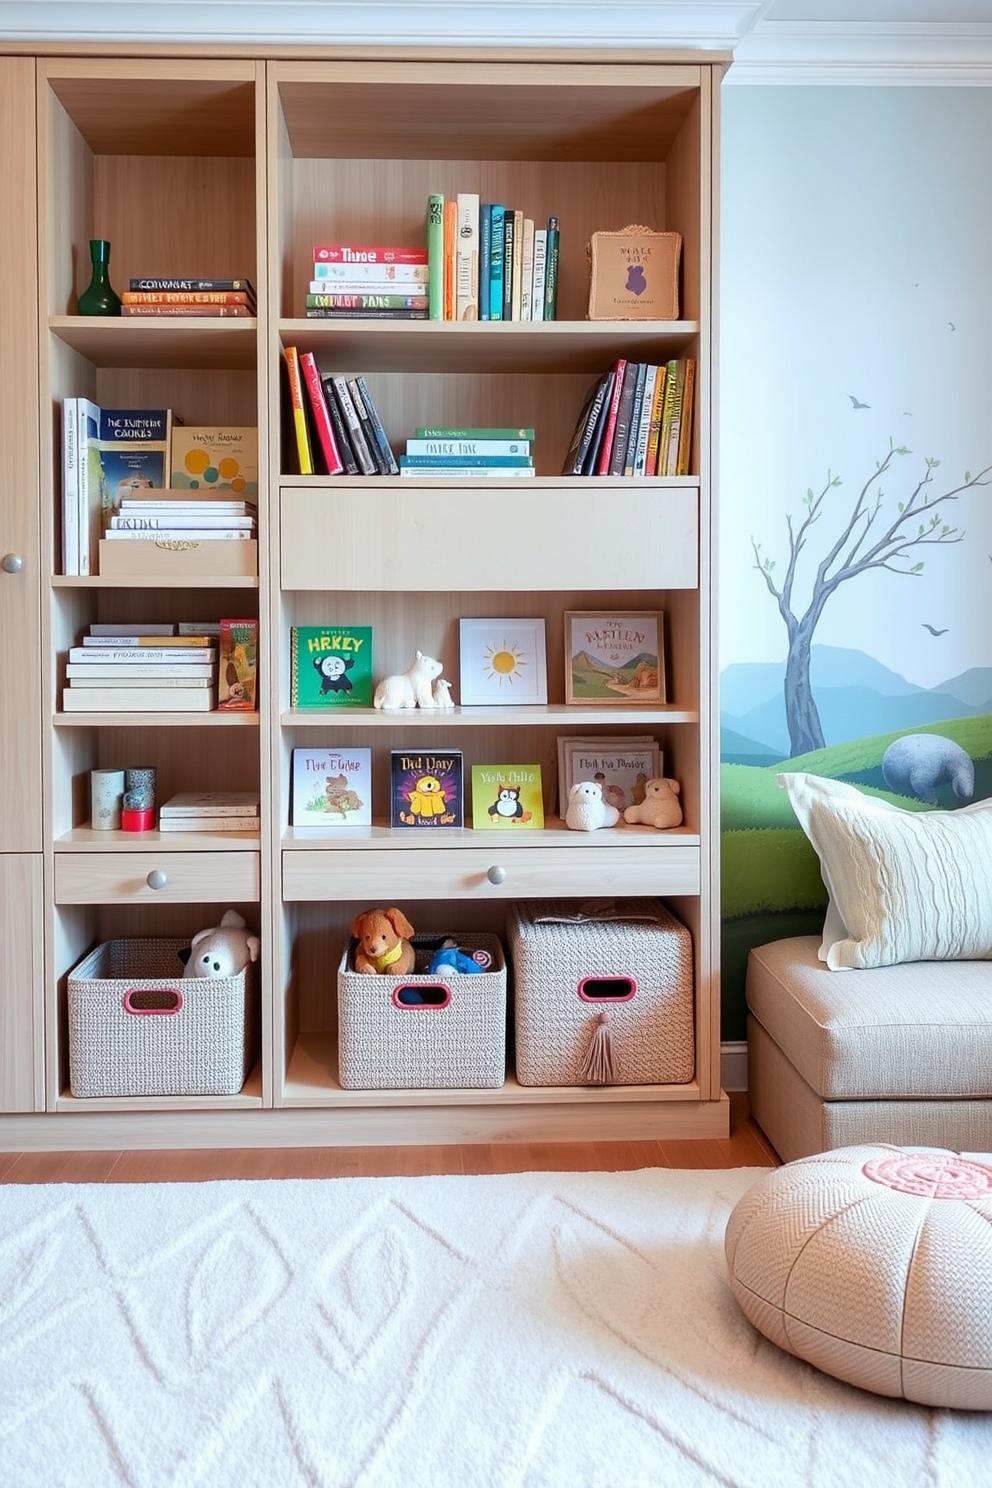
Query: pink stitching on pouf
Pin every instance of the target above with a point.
(931, 1175)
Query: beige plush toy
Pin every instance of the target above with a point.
(660, 808)
(223, 950)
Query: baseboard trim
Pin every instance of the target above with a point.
(733, 1065)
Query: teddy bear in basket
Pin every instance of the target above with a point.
(222, 951)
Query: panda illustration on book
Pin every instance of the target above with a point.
(508, 805)
(334, 672)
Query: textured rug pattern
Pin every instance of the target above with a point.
(555, 1330)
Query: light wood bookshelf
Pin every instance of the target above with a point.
(237, 161)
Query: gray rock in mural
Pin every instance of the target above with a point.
(917, 763)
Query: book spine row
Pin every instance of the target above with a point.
(636, 420)
(488, 261)
(337, 427)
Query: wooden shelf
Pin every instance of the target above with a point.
(87, 840)
(156, 720)
(554, 715)
(553, 834)
(202, 342)
(487, 346)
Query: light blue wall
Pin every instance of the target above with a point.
(856, 225)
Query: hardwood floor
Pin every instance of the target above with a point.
(746, 1147)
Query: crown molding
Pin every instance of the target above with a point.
(952, 54)
(633, 24)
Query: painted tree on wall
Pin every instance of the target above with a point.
(873, 536)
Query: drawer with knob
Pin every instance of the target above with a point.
(495, 872)
(179, 878)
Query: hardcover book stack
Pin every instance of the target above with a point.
(356, 281)
(108, 455)
(636, 421)
(488, 261)
(337, 429)
(141, 669)
(199, 297)
(468, 454)
(210, 811)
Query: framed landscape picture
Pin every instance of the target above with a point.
(502, 661)
(614, 657)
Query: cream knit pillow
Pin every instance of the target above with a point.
(903, 885)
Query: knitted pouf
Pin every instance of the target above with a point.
(874, 1264)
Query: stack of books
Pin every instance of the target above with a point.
(355, 281)
(636, 420)
(210, 811)
(468, 454)
(336, 425)
(488, 261)
(182, 516)
(107, 454)
(149, 668)
(204, 297)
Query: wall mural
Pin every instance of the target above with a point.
(856, 467)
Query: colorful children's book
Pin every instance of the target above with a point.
(507, 797)
(215, 458)
(331, 666)
(237, 676)
(331, 788)
(426, 788)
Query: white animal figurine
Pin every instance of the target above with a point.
(586, 810)
(442, 695)
(409, 689)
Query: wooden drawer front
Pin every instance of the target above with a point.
(190, 878)
(389, 540)
(464, 873)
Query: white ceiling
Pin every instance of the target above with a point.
(920, 41)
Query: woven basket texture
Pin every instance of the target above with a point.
(460, 1046)
(551, 954)
(203, 1049)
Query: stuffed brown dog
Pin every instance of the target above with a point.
(383, 942)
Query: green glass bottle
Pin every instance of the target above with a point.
(99, 297)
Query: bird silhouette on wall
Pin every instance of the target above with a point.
(856, 404)
(932, 629)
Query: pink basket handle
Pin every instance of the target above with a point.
(428, 1006)
(607, 989)
(134, 997)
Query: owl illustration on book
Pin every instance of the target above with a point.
(508, 805)
(334, 672)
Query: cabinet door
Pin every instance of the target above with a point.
(21, 1043)
(20, 591)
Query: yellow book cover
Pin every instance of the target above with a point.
(654, 430)
(685, 429)
(450, 237)
(507, 797)
(304, 456)
(212, 458)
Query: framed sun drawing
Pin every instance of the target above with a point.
(502, 662)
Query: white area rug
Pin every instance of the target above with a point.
(535, 1331)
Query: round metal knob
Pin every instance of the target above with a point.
(496, 874)
(11, 562)
(157, 879)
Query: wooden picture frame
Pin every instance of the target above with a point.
(503, 662)
(614, 659)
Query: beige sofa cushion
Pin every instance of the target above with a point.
(921, 1031)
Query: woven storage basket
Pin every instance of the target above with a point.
(138, 1027)
(572, 962)
(384, 1044)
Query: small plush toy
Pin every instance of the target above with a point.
(448, 957)
(222, 951)
(586, 810)
(409, 689)
(660, 808)
(383, 942)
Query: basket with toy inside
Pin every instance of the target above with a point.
(141, 1024)
(603, 993)
(441, 1024)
